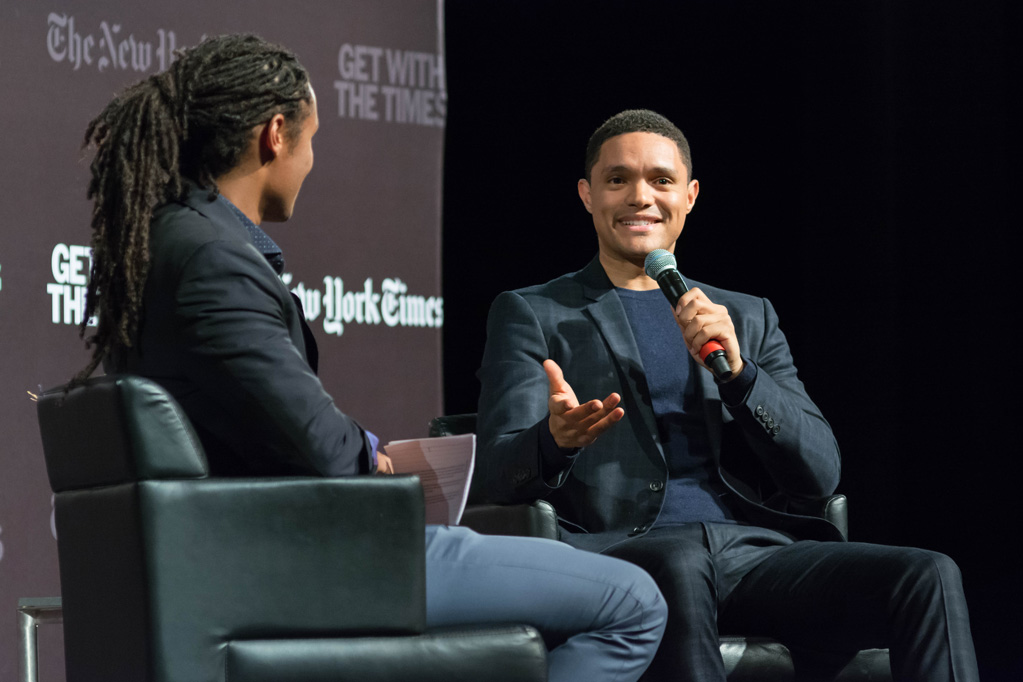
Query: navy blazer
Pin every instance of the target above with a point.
(773, 451)
(224, 336)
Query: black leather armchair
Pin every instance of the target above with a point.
(746, 658)
(169, 575)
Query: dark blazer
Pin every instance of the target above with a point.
(224, 336)
(774, 450)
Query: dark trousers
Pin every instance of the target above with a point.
(830, 598)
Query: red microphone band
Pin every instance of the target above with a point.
(711, 346)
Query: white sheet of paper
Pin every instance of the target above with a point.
(444, 465)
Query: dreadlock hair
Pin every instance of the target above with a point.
(189, 123)
(635, 121)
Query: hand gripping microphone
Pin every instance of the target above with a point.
(660, 265)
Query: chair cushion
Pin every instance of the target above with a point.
(494, 654)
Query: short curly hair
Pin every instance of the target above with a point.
(636, 121)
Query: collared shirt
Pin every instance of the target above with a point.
(267, 246)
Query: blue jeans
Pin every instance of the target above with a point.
(602, 618)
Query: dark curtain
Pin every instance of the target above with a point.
(857, 162)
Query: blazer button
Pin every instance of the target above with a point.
(770, 423)
(759, 411)
(775, 430)
(657, 486)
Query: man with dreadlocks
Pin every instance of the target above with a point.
(185, 285)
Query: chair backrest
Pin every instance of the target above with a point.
(833, 508)
(116, 429)
(453, 425)
(458, 425)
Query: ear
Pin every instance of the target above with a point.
(272, 139)
(584, 193)
(691, 191)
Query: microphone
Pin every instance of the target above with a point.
(661, 266)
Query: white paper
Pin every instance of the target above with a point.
(444, 465)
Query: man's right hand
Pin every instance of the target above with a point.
(574, 425)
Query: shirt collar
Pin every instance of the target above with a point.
(267, 246)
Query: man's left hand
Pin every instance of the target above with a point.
(384, 464)
(702, 320)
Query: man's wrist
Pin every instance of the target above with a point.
(374, 444)
(735, 391)
(553, 457)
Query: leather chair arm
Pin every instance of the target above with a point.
(326, 555)
(833, 508)
(199, 563)
(536, 520)
(453, 425)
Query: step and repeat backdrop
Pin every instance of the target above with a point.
(362, 250)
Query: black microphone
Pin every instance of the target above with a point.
(661, 266)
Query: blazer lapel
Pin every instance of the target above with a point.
(609, 316)
(712, 410)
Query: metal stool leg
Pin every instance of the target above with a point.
(33, 612)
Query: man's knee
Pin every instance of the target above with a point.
(652, 603)
(937, 568)
(639, 594)
(930, 576)
(651, 597)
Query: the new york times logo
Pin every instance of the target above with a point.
(108, 48)
(392, 306)
(70, 265)
(396, 86)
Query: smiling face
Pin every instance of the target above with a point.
(639, 193)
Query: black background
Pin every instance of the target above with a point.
(856, 162)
